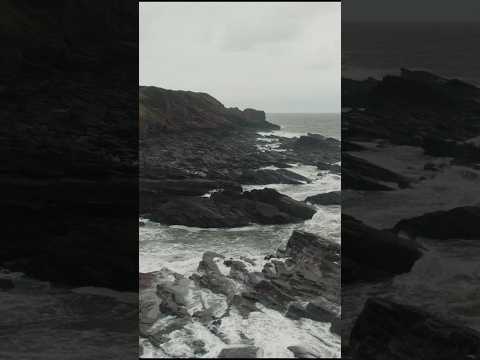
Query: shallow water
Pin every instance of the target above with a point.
(180, 249)
(445, 279)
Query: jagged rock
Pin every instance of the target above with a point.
(457, 223)
(303, 352)
(210, 276)
(160, 292)
(369, 254)
(243, 352)
(163, 110)
(359, 174)
(266, 176)
(333, 168)
(233, 209)
(388, 330)
(318, 309)
(329, 198)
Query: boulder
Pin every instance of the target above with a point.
(369, 254)
(209, 275)
(329, 198)
(232, 209)
(360, 174)
(457, 223)
(389, 330)
(266, 176)
(241, 352)
(303, 352)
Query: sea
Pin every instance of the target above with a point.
(180, 249)
(445, 280)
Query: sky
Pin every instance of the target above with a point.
(276, 57)
(411, 10)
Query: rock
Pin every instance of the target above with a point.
(335, 169)
(388, 330)
(209, 275)
(294, 209)
(163, 110)
(318, 309)
(359, 174)
(457, 223)
(265, 177)
(243, 352)
(161, 334)
(369, 254)
(303, 352)
(336, 326)
(161, 292)
(329, 198)
(232, 209)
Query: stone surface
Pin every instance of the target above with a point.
(388, 330)
(370, 254)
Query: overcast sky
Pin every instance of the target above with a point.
(411, 10)
(277, 57)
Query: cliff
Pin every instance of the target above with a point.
(163, 110)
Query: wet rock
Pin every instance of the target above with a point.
(161, 334)
(329, 198)
(457, 223)
(318, 309)
(233, 209)
(333, 168)
(161, 292)
(336, 326)
(243, 352)
(360, 174)
(265, 176)
(209, 275)
(388, 330)
(369, 254)
(303, 352)
(244, 305)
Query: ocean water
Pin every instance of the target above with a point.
(293, 125)
(445, 279)
(180, 249)
(376, 49)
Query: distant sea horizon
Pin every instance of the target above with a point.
(297, 124)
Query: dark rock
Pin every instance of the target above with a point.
(244, 352)
(210, 276)
(330, 198)
(359, 174)
(388, 330)
(232, 209)
(265, 176)
(336, 326)
(333, 168)
(368, 253)
(457, 223)
(303, 352)
(318, 309)
(164, 110)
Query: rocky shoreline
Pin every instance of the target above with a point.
(193, 173)
(419, 193)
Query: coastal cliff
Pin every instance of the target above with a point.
(163, 110)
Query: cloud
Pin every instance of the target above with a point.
(279, 57)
